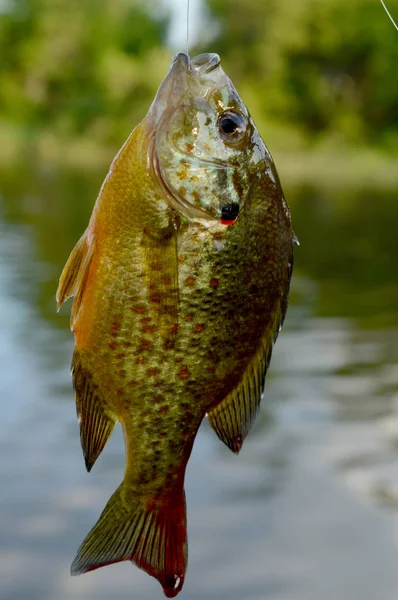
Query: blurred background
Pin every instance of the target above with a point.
(308, 511)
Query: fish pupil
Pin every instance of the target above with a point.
(228, 125)
(231, 125)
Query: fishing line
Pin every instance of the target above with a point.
(188, 26)
(385, 8)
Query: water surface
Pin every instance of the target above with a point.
(307, 511)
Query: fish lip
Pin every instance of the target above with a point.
(182, 60)
(202, 63)
(206, 62)
(172, 85)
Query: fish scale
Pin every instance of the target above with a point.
(176, 306)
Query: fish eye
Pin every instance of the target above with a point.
(231, 125)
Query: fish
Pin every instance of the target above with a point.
(180, 285)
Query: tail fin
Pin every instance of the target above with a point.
(149, 531)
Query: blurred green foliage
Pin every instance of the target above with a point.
(320, 65)
(89, 69)
(80, 67)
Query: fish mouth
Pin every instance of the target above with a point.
(203, 63)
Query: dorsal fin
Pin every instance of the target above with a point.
(74, 275)
(96, 420)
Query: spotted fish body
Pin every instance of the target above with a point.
(180, 287)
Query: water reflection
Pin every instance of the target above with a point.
(307, 511)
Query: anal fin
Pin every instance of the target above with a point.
(96, 420)
(233, 418)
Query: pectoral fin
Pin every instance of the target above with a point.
(160, 257)
(74, 275)
(96, 420)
